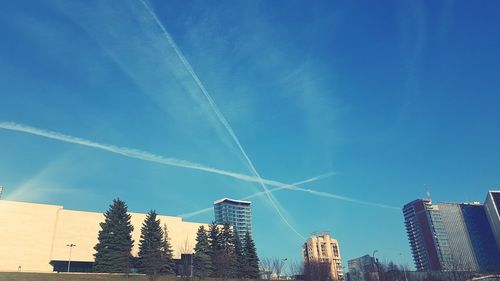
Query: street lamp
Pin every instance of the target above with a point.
(282, 265)
(404, 266)
(376, 264)
(70, 248)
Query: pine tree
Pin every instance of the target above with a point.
(167, 253)
(227, 255)
(202, 264)
(114, 240)
(252, 268)
(150, 246)
(240, 261)
(215, 248)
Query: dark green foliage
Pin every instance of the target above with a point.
(150, 246)
(167, 253)
(240, 259)
(202, 264)
(114, 240)
(227, 256)
(252, 260)
(215, 249)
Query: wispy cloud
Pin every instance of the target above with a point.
(41, 187)
(220, 117)
(260, 193)
(147, 156)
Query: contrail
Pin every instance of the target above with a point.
(218, 113)
(129, 152)
(208, 209)
(147, 156)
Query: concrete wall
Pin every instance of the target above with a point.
(31, 235)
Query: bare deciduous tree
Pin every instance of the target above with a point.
(266, 267)
(277, 265)
(296, 269)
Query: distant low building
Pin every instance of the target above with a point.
(34, 237)
(361, 268)
(323, 249)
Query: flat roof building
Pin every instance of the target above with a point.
(362, 269)
(237, 213)
(33, 237)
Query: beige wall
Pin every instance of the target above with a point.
(31, 235)
(320, 248)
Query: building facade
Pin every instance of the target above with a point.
(481, 237)
(492, 207)
(461, 249)
(322, 248)
(34, 237)
(427, 235)
(237, 213)
(361, 268)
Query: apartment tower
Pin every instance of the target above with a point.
(235, 212)
(427, 235)
(322, 248)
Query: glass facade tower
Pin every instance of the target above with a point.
(492, 207)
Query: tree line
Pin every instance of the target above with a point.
(219, 251)
(114, 246)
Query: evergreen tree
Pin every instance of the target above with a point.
(240, 259)
(252, 260)
(114, 240)
(215, 248)
(150, 246)
(202, 264)
(167, 253)
(227, 255)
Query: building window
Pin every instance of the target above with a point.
(335, 250)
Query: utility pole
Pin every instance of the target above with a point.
(70, 248)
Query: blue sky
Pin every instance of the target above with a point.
(383, 97)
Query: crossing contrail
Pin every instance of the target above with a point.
(219, 115)
(208, 209)
(129, 152)
(147, 156)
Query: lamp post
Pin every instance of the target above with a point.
(282, 264)
(404, 266)
(376, 264)
(70, 248)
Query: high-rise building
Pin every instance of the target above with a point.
(427, 235)
(461, 248)
(362, 269)
(322, 248)
(481, 237)
(235, 212)
(492, 207)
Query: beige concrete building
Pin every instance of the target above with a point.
(34, 235)
(320, 247)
